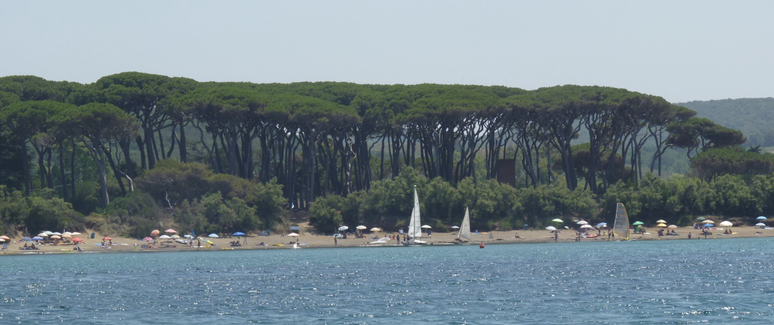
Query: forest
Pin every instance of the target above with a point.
(136, 151)
(752, 116)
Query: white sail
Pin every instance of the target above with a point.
(621, 225)
(415, 224)
(465, 228)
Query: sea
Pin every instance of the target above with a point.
(635, 282)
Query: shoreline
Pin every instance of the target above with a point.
(307, 241)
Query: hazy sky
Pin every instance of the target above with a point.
(681, 50)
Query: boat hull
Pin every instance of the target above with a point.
(415, 243)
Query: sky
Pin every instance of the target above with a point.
(680, 50)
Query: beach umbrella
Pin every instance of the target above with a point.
(75, 233)
(637, 223)
(760, 218)
(726, 224)
(426, 227)
(164, 237)
(147, 239)
(77, 240)
(342, 228)
(174, 236)
(66, 236)
(187, 236)
(552, 228)
(55, 233)
(602, 225)
(238, 233)
(42, 234)
(708, 225)
(213, 236)
(155, 233)
(672, 227)
(455, 227)
(375, 229)
(55, 237)
(558, 220)
(707, 221)
(661, 225)
(292, 234)
(37, 238)
(107, 238)
(582, 222)
(586, 227)
(760, 224)
(660, 221)
(361, 227)
(700, 219)
(170, 231)
(5, 237)
(25, 239)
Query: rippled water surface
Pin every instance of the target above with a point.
(640, 282)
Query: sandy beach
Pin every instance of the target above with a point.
(309, 240)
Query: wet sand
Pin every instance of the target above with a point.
(309, 240)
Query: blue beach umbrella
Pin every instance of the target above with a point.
(25, 239)
(760, 218)
(707, 225)
(238, 233)
(37, 238)
(602, 224)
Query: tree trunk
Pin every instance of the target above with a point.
(26, 167)
(150, 147)
(62, 177)
(182, 144)
(72, 170)
(141, 147)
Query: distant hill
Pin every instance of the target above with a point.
(753, 116)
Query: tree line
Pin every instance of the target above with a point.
(320, 139)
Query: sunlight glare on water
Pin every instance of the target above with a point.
(639, 282)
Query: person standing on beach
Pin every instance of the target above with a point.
(335, 241)
(689, 235)
(556, 235)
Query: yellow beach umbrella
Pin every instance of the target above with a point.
(661, 225)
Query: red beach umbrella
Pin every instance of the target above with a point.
(77, 240)
(155, 233)
(107, 238)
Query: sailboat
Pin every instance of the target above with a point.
(415, 224)
(465, 229)
(621, 225)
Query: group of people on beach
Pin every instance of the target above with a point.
(668, 233)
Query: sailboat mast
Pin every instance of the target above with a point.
(416, 221)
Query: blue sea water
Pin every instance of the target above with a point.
(638, 282)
